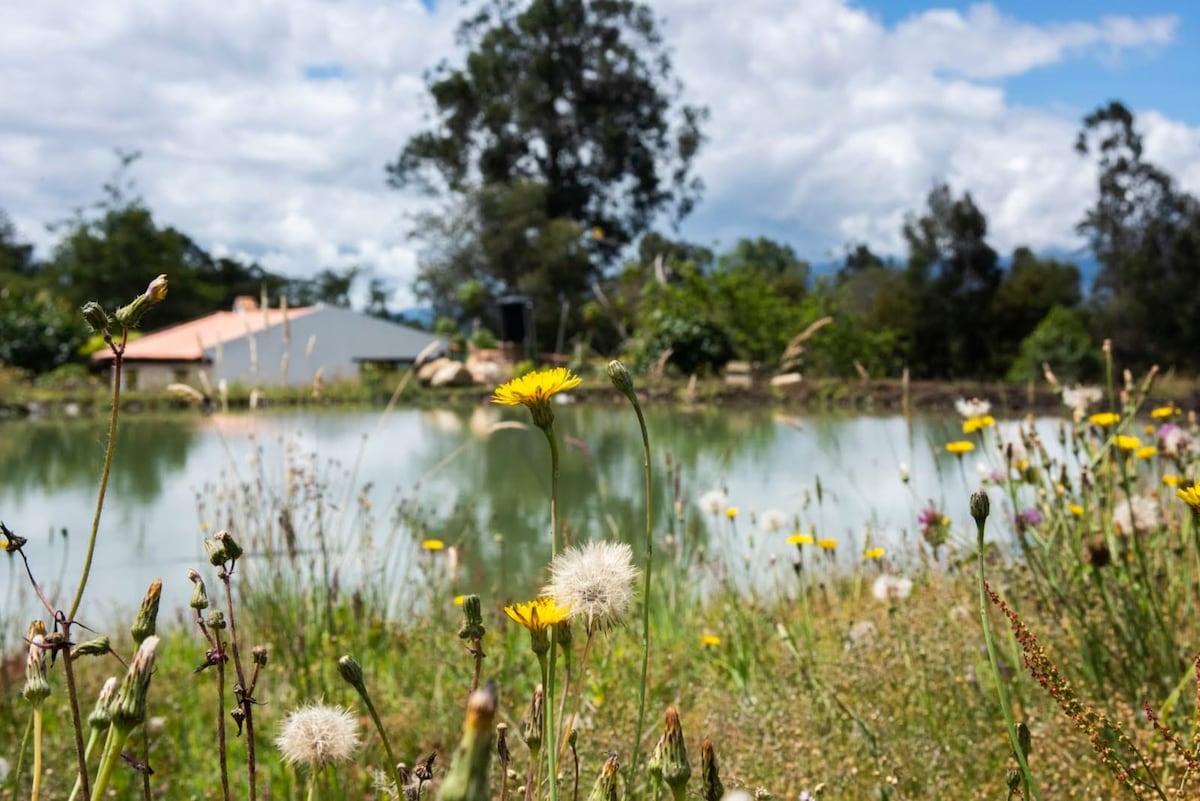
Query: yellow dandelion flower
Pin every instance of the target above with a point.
(800, 539)
(537, 614)
(709, 640)
(1190, 495)
(873, 553)
(1172, 480)
(829, 543)
(1127, 443)
(945, 521)
(1075, 509)
(1148, 430)
(731, 512)
(959, 447)
(1104, 419)
(1146, 452)
(459, 600)
(973, 424)
(1163, 412)
(433, 545)
(534, 390)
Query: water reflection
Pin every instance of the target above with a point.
(453, 476)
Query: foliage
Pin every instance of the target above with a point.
(560, 139)
(38, 333)
(1061, 340)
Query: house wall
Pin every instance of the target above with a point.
(338, 337)
(157, 375)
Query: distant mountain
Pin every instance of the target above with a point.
(418, 316)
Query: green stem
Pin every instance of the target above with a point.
(641, 717)
(112, 755)
(93, 738)
(222, 748)
(246, 706)
(109, 449)
(80, 752)
(552, 440)
(387, 744)
(312, 786)
(37, 753)
(993, 662)
(549, 741)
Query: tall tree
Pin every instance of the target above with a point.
(1145, 232)
(569, 106)
(954, 275)
(1031, 287)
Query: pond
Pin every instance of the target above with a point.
(379, 484)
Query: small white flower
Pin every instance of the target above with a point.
(1079, 398)
(904, 472)
(4, 769)
(318, 735)
(974, 407)
(891, 588)
(774, 520)
(861, 634)
(713, 502)
(1017, 448)
(595, 582)
(1138, 514)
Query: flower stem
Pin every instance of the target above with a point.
(552, 440)
(641, 717)
(80, 752)
(37, 753)
(222, 748)
(393, 765)
(1026, 776)
(246, 705)
(112, 755)
(548, 739)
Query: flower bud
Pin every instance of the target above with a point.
(981, 506)
(129, 708)
(101, 714)
(216, 620)
(95, 317)
(199, 591)
(468, 776)
(535, 721)
(605, 788)
(671, 756)
(130, 315)
(217, 555)
(233, 551)
(98, 646)
(260, 655)
(37, 666)
(147, 616)
(472, 627)
(710, 777)
(621, 380)
(352, 673)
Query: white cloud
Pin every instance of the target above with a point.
(826, 124)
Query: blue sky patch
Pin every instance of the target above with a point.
(330, 71)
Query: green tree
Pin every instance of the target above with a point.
(1030, 289)
(562, 137)
(1062, 341)
(38, 332)
(954, 275)
(1145, 233)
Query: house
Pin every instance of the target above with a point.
(268, 347)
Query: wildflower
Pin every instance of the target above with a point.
(318, 735)
(433, 545)
(891, 588)
(904, 472)
(37, 666)
(713, 502)
(973, 424)
(800, 539)
(1164, 412)
(731, 512)
(710, 640)
(774, 520)
(972, 408)
(1075, 509)
(873, 553)
(458, 600)
(1127, 443)
(1079, 398)
(1105, 419)
(129, 707)
(1028, 518)
(959, 447)
(1173, 440)
(1172, 480)
(934, 525)
(1137, 514)
(1189, 494)
(595, 582)
(534, 390)
(1016, 454)
(538, 614)
(827, 544)
(1146, 452)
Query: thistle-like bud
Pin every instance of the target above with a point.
(710, 776)
(472, 626)
(535, 721)
(95, 317)
(130, 315)
(1024, 739)
(217, 555)
(129, 708)
(233, 551)
(563, 634)
(199, 591)
(37, 666)
(539, 640)
(981, 506)
(215, 620)
(351, 672)
(97, 646)
(468, 776)
(1012, 778)
(671, 756)
(606, 786)
(502, 746)
(147, 616)
(622, 381)
(101, 714)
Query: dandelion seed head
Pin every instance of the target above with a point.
(595, 582)
(713, 502)
(891, 588)
(318, 735)
(1138, 514)
(774, 520)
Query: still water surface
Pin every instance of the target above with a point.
(173, 475)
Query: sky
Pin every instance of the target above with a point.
(264, 125)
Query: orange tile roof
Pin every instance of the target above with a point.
(186, 342)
